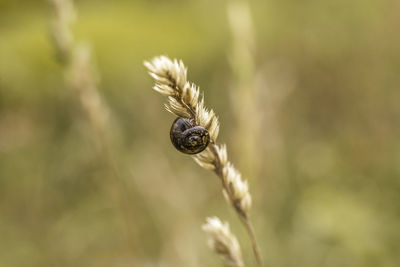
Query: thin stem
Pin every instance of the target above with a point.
(250, 230)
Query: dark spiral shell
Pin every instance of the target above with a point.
(188, 138)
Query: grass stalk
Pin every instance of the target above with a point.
(184, 101)
(81, 79)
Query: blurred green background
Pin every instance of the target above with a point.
(307, 93)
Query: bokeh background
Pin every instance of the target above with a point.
(307, 93)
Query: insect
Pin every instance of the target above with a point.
(188, 138)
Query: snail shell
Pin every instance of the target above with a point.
(188, 138)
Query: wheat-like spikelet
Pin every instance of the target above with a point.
(235, 189)
(76, 60)
(223, 242)
(183, 101)
(183, 97)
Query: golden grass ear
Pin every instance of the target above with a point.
(183, 100)
(223, 242)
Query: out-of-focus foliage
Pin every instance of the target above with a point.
(327, 91)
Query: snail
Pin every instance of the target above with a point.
(188, 138)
